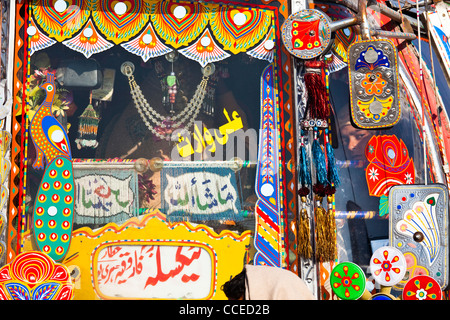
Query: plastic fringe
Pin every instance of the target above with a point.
(319, 161)
(333, 174)
(305, 166)
(331, 230)
(321, 235)
(304, 248)
(316, 88)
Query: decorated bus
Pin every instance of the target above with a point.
(152, 149)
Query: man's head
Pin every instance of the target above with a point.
(234, 289)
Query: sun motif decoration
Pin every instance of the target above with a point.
(238, 29)
(38, 40)
(348, 281)
(204, 50)
(388, 266)
(265, 50)
(179, 23)
(422, 288)
(119, 21)
(154, 28)
(147, 45)
(88, 41)
(61, 19)
(389, 165)
(33, 275)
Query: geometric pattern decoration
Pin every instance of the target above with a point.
(374, 86)
(32, 275)
(88, 41)
(268, 240)
(418, 227)
(146, 45)
(238, 29)
(389, 164)
(119, 21)
(60, 19)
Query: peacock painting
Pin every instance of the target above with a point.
(54, 203)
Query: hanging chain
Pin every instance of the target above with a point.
(152, 118)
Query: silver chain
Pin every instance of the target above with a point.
(152, 118)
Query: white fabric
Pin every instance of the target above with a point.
(271, 283)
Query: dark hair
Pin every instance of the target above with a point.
(234, 289)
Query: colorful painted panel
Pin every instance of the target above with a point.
(61, 19)
(438, 25)
(154, 269)
(179, 23)
(165, 256)
(119, 21)
(390, 164)
(374, 86)
(267, 186)
(418, 227)
(34, 276)
(239, 28)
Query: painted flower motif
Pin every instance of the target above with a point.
(373, 83)
(373, 174)
(408, 178)
(421, 294)
(388, 266)
(422, 288)
(348, 281)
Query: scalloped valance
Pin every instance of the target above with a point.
(204, 32)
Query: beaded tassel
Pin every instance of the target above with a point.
(88, 127)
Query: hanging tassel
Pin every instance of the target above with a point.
(319, 160)
(318, 107)
(305, 170)
(304, 248)
(88, 127)
(332, 173)
(330, 224)
(320, 215)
